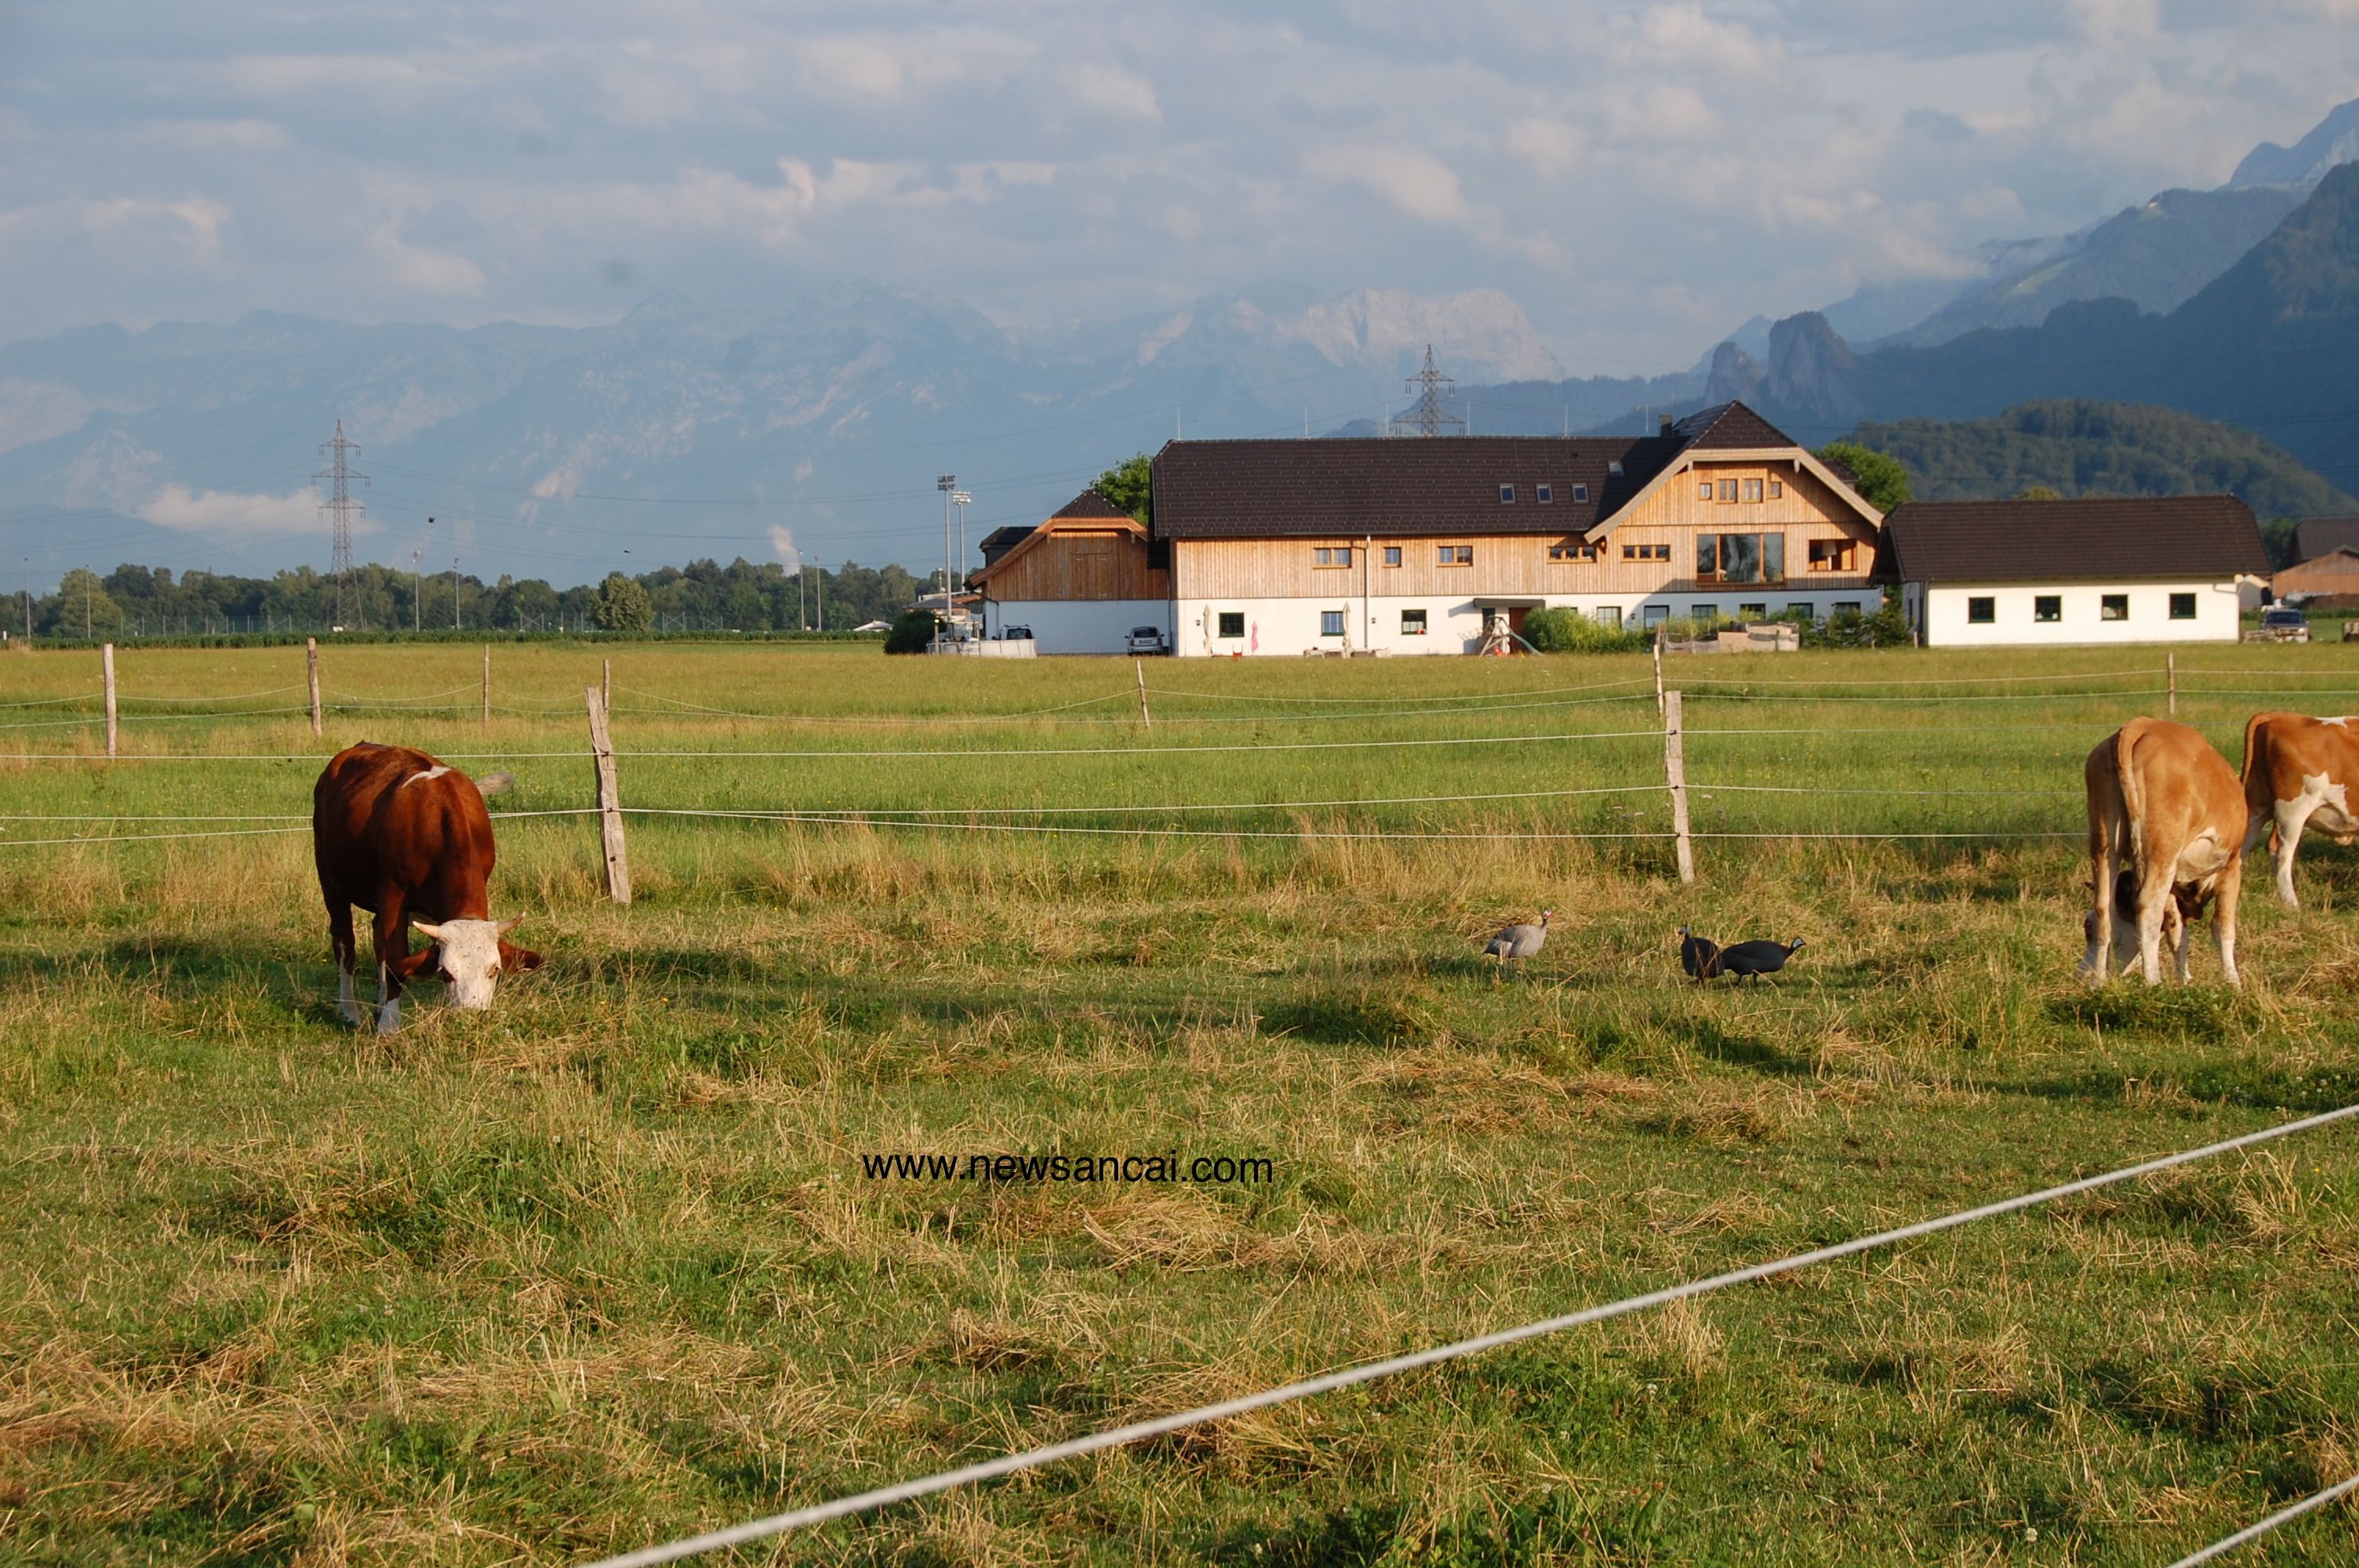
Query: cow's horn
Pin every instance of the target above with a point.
(431, 933)
(508, 925)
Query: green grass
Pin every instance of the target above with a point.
(601, 1267)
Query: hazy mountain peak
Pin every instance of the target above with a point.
(2331, 141)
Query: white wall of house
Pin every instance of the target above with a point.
(1287, 628)
(1948, 617)
(1078, 625)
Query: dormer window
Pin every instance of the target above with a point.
(1544, 494)
(1580, 493)
(1506, 495)
(1615, 468)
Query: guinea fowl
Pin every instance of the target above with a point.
(1748, 958)
(1518, 942)
(1699, 955)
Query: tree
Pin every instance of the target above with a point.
(912, 631)
(1129, 484)
(623, 605)
(2038, 492)
(83, 607)
(1880, 478)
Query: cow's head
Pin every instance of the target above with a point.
(2186, 902)
(470, 954)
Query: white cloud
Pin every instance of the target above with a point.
(1409, 178)
(419, 270)
(241, 135)
(232, 514)
(1113, 88)
(1553, 148)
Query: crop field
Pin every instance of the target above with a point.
(612, 1264)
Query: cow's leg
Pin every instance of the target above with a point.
(339, 937)
(2154, 896)
(2098, 963)
(2224, 920)
(2292, 817)
(2179, 932)
(392, 946)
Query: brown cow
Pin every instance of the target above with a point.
(406, 838)
(2297, 771)
(2166, 835)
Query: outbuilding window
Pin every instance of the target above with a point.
(1232, 622)
(2114, 607)
(2048, 607)
(1330, 624)
(1981, 611)
(2182, 606)
(1412, 622)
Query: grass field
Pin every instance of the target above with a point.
(603, 1267)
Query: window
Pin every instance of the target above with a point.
(1704, 490)
(1332, 556)
(1392, 555)
(1752, 489)
(1506, 495)
(1330, 624)
(1654, 614)
(1846, 607)
(1753, 613)
(1802, 611)
(1544, 494)
(1580, 493)
(1615, 468)
(2114, 607)
(1607, 615)
(1707, 613)
(1981, 610)
(1776, 489)
(1645, 552)
(1412, 622)
(1454, 555)
(2182, 606)
(1728, 489)
(2048, 607)
(1833, 556)
(1572, 550)
(1740, 558)
(1232, 622)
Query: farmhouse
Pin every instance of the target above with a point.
(1429, 546)
(2110, 571)
(2333, 575)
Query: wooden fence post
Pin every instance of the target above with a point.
(1659, 674)
(2171, 679)
(606, 683)
(1145, 717)
(311, 663)
(1675, 769)
(106, 666)
(487, 686)
(610, 803)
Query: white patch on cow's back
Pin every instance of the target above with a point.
(2338, 721)
(436, 772)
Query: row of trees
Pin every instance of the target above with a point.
(144, 602)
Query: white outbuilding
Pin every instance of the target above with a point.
(2115, 569)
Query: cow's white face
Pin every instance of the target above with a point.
(467, 956)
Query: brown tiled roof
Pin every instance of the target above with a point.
(2202, 536)
(1729, 425)
(1346, 487)
(2323, 535)
(1001, 540)
(1089, 504)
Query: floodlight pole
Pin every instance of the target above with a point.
(947, 484)
(455, 593)
(962, 500)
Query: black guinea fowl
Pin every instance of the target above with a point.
(1699, 955)
(1749, 958)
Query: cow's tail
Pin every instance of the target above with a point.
(2132, 790)
(491, 785)
(2252, 747)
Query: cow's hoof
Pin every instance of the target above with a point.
(350, 1014)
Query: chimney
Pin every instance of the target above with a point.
(1666, 425)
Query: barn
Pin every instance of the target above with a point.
(2111, 570)
(1079, 582)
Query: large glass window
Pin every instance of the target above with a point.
(1330, 624)
(1740, 558)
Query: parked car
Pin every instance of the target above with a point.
(1016, 633)
(2280, 624)
(1145, 640)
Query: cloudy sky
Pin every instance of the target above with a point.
(1641, 178)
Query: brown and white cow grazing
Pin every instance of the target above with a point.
(2298, 771)
(2166, 836)
(406, 838)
